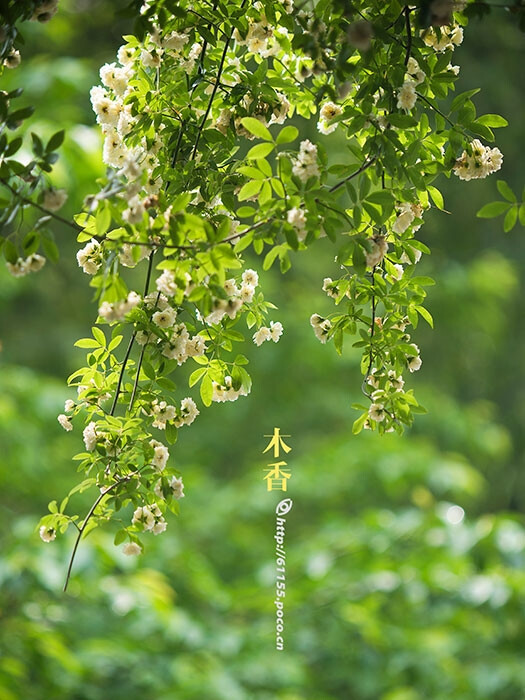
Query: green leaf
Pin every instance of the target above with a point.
(99, 335)
(206, 390)
(55, 141)
(287, 135)
(359, 423)
(250, 189)
(256, 128)
(426, 315)
(10, 251)
(491, 210)
(50, 249)
(87, 343)
(261, 150)
(196, 375)
(493, 120)
(436, 197)
(102, 221)
(510, 219)
(505, 191)
(171, 433)
(120, 537)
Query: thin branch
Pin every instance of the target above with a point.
(364, 167)
(409, 34)
(52, 214)
(212, 96)
(131, 341)
(82, 528)
(429, 103)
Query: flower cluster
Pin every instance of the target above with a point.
(23, 266)
(478, 162)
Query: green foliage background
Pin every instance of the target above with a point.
(386, 600)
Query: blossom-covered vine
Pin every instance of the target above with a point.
(204, 165)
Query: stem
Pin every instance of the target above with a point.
(131, 340)
(212, 96)
(409, 34)
(21, 197)
(429, 103)
(81, 531)
(364, 167)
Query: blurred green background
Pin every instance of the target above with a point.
(389, 597)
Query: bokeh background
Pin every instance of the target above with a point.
(405, 572)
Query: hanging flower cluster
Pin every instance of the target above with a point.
(203, 167)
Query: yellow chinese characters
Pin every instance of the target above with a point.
(277, 477)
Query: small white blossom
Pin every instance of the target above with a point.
(65, 422)
(166, 318)
(406, 95)
(132, 549)
(54, 199)
(261, 335)
(276, 330)
(377, 412)
(90, 436)
(48, 534)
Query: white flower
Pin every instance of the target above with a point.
(250, 277)
(153, 300)
(90, 257)
(115, 78)
(321, 327)
(160, 526)
(261, 335)
(132, 549)
(54, 199)
(160, 454)
(143, 516)
(246, 293)
(44, 10)
(329, 112)
(414, 72)
(276, 330)
(414, 363)
(482, 162)
(162, 413)
(166, 283)
(48, 534)
(330, 288)
(18, 269)
(90, 436)
(151, 59)
(397, 271)
(65, 422)
(230, 287)
(405, 217)
(406, 95)
(377, 412)
(166, 318)
(125, 55)
(34, 262)
(396, 382)
(106, 109)
(13, 59)
(175, 41)
(69, 405)
(378, 250)
(189, 410)
(296, 217)
(305, 166)
(177, 487)
(135, 211)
